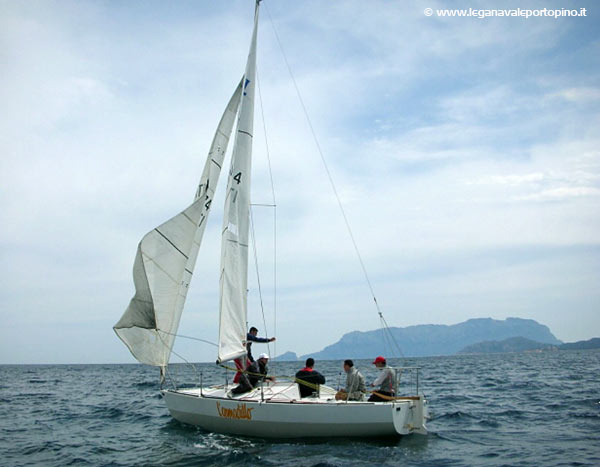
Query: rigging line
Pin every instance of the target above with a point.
(391, 336)
(386, 336)
(189, 363)
(189, 337)
(314, 135)
(384, 339)
(389, 347)
(262, 113)
(262, 308)
(172, 351)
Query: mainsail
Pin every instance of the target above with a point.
(234, 242)
(165, 261)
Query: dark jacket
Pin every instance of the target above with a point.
(249, 339)
(313, 377)
(256, 372)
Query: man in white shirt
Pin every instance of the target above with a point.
(385, 381)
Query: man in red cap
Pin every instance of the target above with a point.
(385, 381)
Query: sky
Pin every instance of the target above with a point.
(465, 152)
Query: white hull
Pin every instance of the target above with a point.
(282, 414)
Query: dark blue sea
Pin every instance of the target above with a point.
(502, 409)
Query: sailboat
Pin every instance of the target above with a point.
(162, 272)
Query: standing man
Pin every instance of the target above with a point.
(385, 381)
(355, 384)
(310, 376)
(251, 337)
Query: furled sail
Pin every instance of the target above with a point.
(165, 261)
(234, 242)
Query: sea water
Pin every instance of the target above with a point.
(502, 409)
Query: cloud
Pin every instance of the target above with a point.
(513, 180)
(580, 94)
(563, 193)
(456, 146)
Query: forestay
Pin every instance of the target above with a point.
(234, 242)
(165, 261)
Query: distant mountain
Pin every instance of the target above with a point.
(435, 339)
(520, 344)
(512, 344)
(287, 357)
(581, 345)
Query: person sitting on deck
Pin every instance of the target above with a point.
(251, 337)
(355, 384)
(257, 371)
(308, 379)
(385, 381)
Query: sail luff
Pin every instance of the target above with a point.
(165, 261)
(234, 242)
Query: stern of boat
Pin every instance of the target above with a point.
(410, 415)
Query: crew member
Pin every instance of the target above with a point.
(257, 371)
(355, 384)
(385, 381)
(251, 337)
(308, 379)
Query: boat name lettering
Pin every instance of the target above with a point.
(241, 412)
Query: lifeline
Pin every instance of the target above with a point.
(239, 413)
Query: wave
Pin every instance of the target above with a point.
(505, 415)
(146, 384)
(452, 415)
